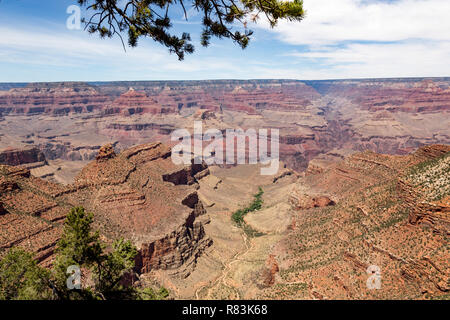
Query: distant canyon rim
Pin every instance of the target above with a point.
(320, 121)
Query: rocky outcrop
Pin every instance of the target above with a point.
(305, 201)
(7, 185)
(135, 102)
(187, 175)
(129, 198)
(179, 248)
(106, 152)
(269, 273)
(425, 188)
(391, 216)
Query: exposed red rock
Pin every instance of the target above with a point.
(305, 201)
(56, 99)
(269, 273)
(135, 102)
(387, 215)
(129, 199)
(395, 95)
(315, 118)
(15, 157)
(106, 152)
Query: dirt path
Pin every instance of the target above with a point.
(221, 279)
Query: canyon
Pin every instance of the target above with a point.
(363, 181)
(320, 120)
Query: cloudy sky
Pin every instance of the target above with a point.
(337, 39)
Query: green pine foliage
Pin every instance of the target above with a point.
(150, 294)
(238, 216)
(107, 270)
(153, 19)
(21, 278)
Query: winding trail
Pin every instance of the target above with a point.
(221, 279)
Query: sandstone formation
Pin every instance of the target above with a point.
(328, 252)
(305, 201)
(15, 157)
(363, 181)
(70, 121)
(55, 99)
(384, 216)
(320, 232)
(129, 199)
(106, 152)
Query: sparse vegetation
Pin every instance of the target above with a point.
(150, 294)
(256, 205)
(238, 216)
(432, 177)
(104, 271)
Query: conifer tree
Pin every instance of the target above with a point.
(153, 19)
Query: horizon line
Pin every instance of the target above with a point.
(225, 79)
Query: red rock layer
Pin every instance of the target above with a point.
(15, 157)
(378, 220)
(58, 99)
(421, 96)
(129, 199)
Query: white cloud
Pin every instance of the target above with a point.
(352, 38)
(337, 39)
(76, 50)
(68, 46)
(332, 21)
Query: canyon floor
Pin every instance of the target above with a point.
(318, 234)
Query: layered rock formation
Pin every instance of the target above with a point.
(15, 157)
(55, 99)
(31, 216)
(385, 216)
(320, 235)
(129, 198)
(71, 121)
(391, 95)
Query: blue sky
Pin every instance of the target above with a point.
(337, 39)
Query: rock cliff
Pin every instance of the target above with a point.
(71, 121)
(129, 198)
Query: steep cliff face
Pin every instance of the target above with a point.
(178, 249)
(56, 99)
(129, 199)
(15, 157)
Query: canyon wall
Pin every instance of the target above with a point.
(317, 119)
(129, 198)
